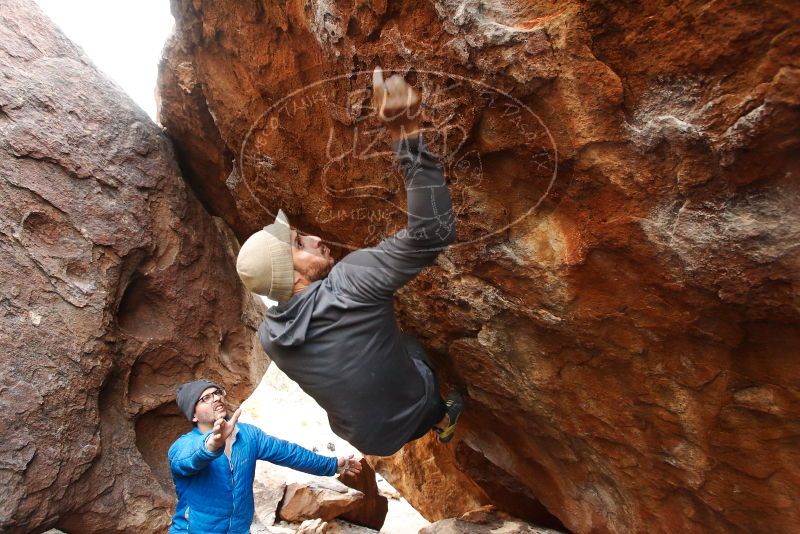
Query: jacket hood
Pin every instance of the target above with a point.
(287, 323)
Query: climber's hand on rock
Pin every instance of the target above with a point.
(397, 104)
(348, 466)
(221, 431)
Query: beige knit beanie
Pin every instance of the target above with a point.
(265, 263)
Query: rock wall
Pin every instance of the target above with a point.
(115, 286)
(621, 307)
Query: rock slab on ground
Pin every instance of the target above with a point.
(484, 521)
(317, 499)
(267, 496)
(371, 512)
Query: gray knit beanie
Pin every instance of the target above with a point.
(189, 394)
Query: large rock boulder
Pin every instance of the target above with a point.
(115, 286)
(268, 491)
(372, 510)
(317, 499)
(622, 306)
(442, 481)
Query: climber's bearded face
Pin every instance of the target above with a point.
(311, 257)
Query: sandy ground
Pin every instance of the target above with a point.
(282, 409)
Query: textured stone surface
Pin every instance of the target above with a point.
(484, 521)
(371, 512)
(268, 492)
(115, 286)
(425, 472)
(319, 499)
(626, 332)
(440, 484)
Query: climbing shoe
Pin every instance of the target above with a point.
(455, 405)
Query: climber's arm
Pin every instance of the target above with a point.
(374, 274)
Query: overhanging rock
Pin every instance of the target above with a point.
(621, 307)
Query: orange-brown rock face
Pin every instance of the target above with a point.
(115, 286)
(621, 307)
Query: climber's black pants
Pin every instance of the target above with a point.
(438, 409)
(434, 416)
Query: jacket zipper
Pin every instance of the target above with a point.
(233, 483)
(233, 492)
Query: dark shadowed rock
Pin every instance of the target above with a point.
(371, 512)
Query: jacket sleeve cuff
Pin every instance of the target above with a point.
(207, 453)
(334, 465)
(408, 146)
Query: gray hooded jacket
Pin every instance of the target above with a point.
(338, 338)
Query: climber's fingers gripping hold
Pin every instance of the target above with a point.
(396, 103)
(378, 91)
(400, 100)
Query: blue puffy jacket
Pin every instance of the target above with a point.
(215, 493)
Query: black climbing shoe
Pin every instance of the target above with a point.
(455, 405)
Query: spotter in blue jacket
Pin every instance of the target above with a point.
(215, 491)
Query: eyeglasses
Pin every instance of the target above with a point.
(209, 397)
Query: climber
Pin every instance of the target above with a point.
(215, 490)
(334, 331)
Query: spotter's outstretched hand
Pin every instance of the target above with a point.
(222, 429)
(347, 465)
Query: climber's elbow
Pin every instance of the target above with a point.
(446, 233)
(450, 235)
